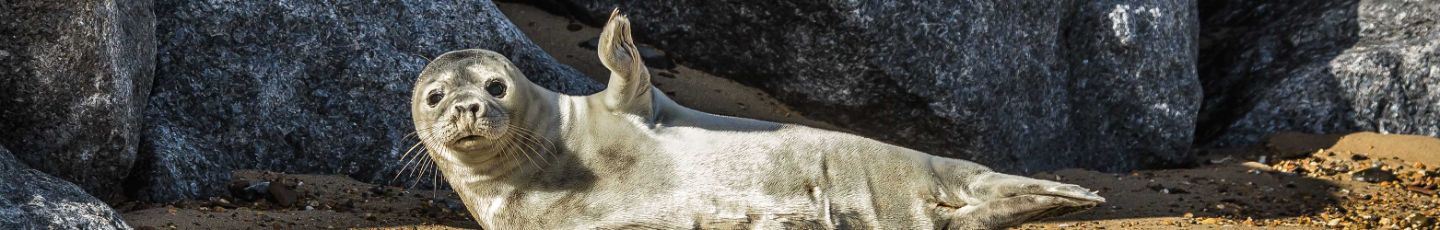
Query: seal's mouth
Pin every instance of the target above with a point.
(470, 138)
(477, 138)
(469, 142)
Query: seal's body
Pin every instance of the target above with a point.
(523, 157)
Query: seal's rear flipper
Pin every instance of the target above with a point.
(1016, 210)
(1009, 200)
(629, 87)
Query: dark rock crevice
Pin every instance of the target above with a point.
(1317, 67)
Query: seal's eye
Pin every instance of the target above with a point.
(495, 88)
(434, 98)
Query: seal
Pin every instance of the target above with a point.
(524, 157)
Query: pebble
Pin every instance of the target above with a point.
(1420, 189)
(1210, 221)
(381, 191)
(283, 195)
(248, 190)
(1373, 175)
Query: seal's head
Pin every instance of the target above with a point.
(465, 103)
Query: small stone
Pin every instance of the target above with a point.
(591, 43)
(381, 191)
(1333, 222)
(1420, 221)
(249, 191)
(1359, 157)
(1420, 189)
(1373, 175)
(282, 195)
(1210, 221)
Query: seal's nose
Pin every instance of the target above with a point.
(473, 108)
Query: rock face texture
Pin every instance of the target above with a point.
(30, 199)
(1016, 85)
(73, 81)
(1319, 67)
(306, 86)
(8, 161)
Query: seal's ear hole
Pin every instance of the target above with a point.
(495, 88)
(434, 97)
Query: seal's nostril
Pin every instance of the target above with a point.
(459, 108)
(474, 108)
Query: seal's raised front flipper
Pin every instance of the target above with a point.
(628, 90)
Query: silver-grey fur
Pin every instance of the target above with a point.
(629, 157)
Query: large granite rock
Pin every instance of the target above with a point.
(30, 199)
(8, 161)
(1017, 85)
(307, 86)
(1319, 67)
(73, 81)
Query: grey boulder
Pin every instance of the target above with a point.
(307, 86)
(1319, 67)
(1018, 85)
(30, 199)
(73, 81)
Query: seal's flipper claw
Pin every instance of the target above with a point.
(1074, 192)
